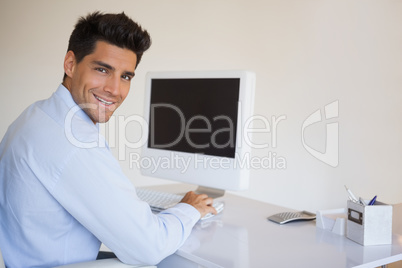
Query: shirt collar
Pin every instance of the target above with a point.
(65, 95)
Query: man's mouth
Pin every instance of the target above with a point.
(107, 103)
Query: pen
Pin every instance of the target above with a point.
(351, 195)
(372, 201)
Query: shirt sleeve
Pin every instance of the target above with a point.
(95, 191)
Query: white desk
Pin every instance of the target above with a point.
(243, 237)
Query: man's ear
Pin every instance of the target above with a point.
(69, 63)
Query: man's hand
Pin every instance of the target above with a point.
(201, 202)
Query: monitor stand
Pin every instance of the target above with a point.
(211, 192)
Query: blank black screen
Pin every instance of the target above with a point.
(195, 115)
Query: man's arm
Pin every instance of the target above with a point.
(95, 191)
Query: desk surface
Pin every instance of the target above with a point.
(243, 237)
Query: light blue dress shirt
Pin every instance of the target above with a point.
(62, 193)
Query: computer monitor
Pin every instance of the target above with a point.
(196, 123)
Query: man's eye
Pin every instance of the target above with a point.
(126, 77)
(102, 70)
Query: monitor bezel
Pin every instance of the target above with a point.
(233, 175)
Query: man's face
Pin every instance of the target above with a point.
(101, 81)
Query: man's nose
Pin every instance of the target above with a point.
(113, 85)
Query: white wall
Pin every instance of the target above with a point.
(306, 54)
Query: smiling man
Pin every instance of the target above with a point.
(101, 80)
(58, 200)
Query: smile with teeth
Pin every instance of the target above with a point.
(103, 101)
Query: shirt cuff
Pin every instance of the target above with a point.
(190, 210)
(186, 210)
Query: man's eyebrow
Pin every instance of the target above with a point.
(108, 66)
(103, 64)
(132, 74)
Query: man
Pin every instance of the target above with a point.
(62, 192)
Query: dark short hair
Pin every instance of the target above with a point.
(115, 29)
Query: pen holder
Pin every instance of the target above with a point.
(369, 225)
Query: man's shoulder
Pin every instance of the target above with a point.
(51, 123)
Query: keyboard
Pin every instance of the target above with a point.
(159, 201)
(285, 217)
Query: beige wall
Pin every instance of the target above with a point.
(306, 54)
